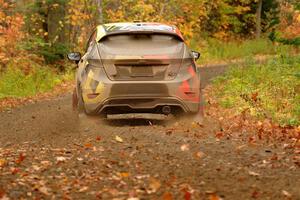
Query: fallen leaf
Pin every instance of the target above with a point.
(88, 145)
(14, 170)
(36, 168)
(2, 193)
(154, 185)
(113, 192)
(287, 194)
(44, 190)
(253, 173)
(254, 96)
(83, 189)
(21, 158)
(124, 174)
(255, 194)
(199, 154)
(79, 159)
(169, 131)
(187, 195)
(5, 198)
(98, 138)
(46, 163)
(118, 139)
(214, 197)
(61, 159)
(219, 135)
(185, 147)
(241, 147)
(2, 162)
(167, 196)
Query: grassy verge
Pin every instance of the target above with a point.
(266, 91)
(214, 51)
(16, 83)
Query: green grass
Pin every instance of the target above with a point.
(276, 84)
(213, 50)
(14, 82)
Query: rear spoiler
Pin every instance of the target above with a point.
(137, 32)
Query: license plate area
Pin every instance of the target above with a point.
(141, 71)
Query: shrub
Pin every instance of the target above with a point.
(15, 83)
(271, 90)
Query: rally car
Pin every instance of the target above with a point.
(137, 68)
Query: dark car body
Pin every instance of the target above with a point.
(137, 68)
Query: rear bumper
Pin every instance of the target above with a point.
(182, 92)
(141, 103)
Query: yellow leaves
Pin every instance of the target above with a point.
(220, 35)
(242, 9)
(2, 162)
(55, 5)
(118, 139)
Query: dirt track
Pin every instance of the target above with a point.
(46, 152)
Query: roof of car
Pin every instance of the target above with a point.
(136, 27)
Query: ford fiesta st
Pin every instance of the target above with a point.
(137, 68)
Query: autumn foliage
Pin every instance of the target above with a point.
(10, 31)
(290, 21)
(53, 27)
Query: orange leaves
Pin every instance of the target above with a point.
(10, 31)
(2, 162)
(79, 14)
(21, 158)
(88, 145)
(154, 185)
(167, 196)
(290, 21)
(124, 174)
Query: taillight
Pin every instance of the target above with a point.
(189, 89)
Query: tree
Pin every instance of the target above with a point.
(258, 18)
(100, 12)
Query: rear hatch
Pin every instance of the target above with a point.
(141, 57)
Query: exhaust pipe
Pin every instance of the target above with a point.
(166, 110)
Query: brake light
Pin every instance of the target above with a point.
(190, 88)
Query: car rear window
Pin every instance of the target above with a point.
(142, 44)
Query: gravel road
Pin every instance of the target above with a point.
(48, 152)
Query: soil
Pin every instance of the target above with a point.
(47, 151)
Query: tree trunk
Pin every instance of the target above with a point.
(258, 19)
(100, 13)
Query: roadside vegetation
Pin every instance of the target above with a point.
(270, 90)
(15, 83)
(216, 51)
